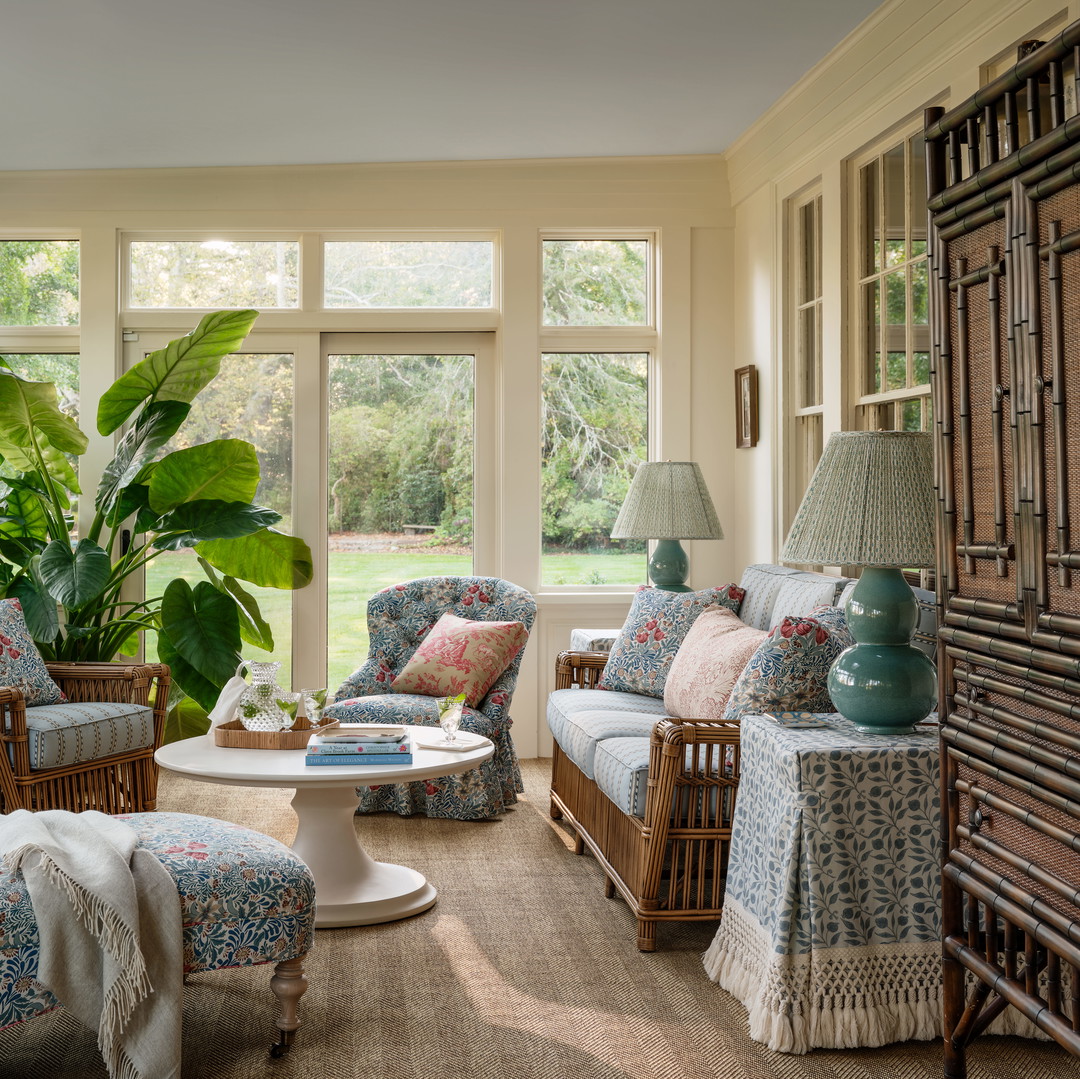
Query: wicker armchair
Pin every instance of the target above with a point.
(670, 864)
(119, 782)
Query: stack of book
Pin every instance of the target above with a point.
(359, 744)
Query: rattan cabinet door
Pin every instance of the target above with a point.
(1005, 258)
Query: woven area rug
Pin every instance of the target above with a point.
(522, 970)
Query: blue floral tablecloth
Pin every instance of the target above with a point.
(831, 928)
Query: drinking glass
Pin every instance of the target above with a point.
(450, 720)
(314, 704)
(289, 703)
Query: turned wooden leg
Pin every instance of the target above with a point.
(646, 935)
(579, 843)
(555, 811)
(609, 888)
(288, 985)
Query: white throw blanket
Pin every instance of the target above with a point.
(108, 916)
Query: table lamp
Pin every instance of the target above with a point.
(870, 503)
(668, 502)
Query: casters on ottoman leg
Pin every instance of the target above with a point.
(288, 985)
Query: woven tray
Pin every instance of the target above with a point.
(233, 735)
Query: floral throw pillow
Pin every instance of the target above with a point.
(459, 655)
(712, 656)
(789, 671)
(21, 665)
(652, 633)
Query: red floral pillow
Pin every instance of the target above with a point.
(655, 627)
(459, 655)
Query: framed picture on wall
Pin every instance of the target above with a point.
(746, 407)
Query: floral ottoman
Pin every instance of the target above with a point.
(245, 899)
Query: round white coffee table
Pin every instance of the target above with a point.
(351, 888)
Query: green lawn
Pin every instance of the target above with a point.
(356, 575)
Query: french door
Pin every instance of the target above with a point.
(410, 471)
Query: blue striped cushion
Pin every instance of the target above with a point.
(69, 733)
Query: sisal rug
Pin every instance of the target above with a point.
(522, 970)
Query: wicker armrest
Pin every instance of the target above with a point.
(582, 669)
(691, 756)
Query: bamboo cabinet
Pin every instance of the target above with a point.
(1004, 252)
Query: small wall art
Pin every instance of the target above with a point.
(746, 407)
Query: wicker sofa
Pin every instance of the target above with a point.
(651, 797)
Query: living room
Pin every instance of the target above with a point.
(726, 230)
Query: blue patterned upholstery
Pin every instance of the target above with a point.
(622, 772)
(72, 732)
(245, 899)
(566, 703)
(398, 618)
(774, 592)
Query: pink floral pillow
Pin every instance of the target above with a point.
(712, 656)
(461, 656)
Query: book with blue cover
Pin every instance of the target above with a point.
(358, 759)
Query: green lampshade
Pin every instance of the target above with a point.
(871, 503)
(668, 501)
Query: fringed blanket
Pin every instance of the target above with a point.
(108, 917)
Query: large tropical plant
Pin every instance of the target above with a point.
(76, 590)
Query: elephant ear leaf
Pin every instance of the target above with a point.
(186, 676)
(74, 577)
(202, 625)
(226, 469)
(155, 425)
(178, 371)
(39, 609)
(33, 420)
(268, 558)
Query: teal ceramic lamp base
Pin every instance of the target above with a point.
(883, 684)
(669, 567)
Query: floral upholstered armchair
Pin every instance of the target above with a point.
(399, 619)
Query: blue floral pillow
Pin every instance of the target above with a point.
(655, 627)
(21, 665)
(789, 671)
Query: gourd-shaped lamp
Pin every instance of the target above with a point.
(668, 501)
(870, 503)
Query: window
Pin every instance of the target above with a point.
(39, 282)
(400, 463)
(805, 393)
(595, 414)
(213, 273)
(597, 342)
(408, 273)
(893, 301)
(591, 282)
(251, 398)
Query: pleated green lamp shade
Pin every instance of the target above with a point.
(668, 501)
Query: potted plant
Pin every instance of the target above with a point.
(72, 587)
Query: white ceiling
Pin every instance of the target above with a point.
(152, 83)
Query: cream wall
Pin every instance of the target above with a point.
(683, 199)
(909, 55)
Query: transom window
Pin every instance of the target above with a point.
(213, 272)
(596, 282)
(408, 273)
(39, 282)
